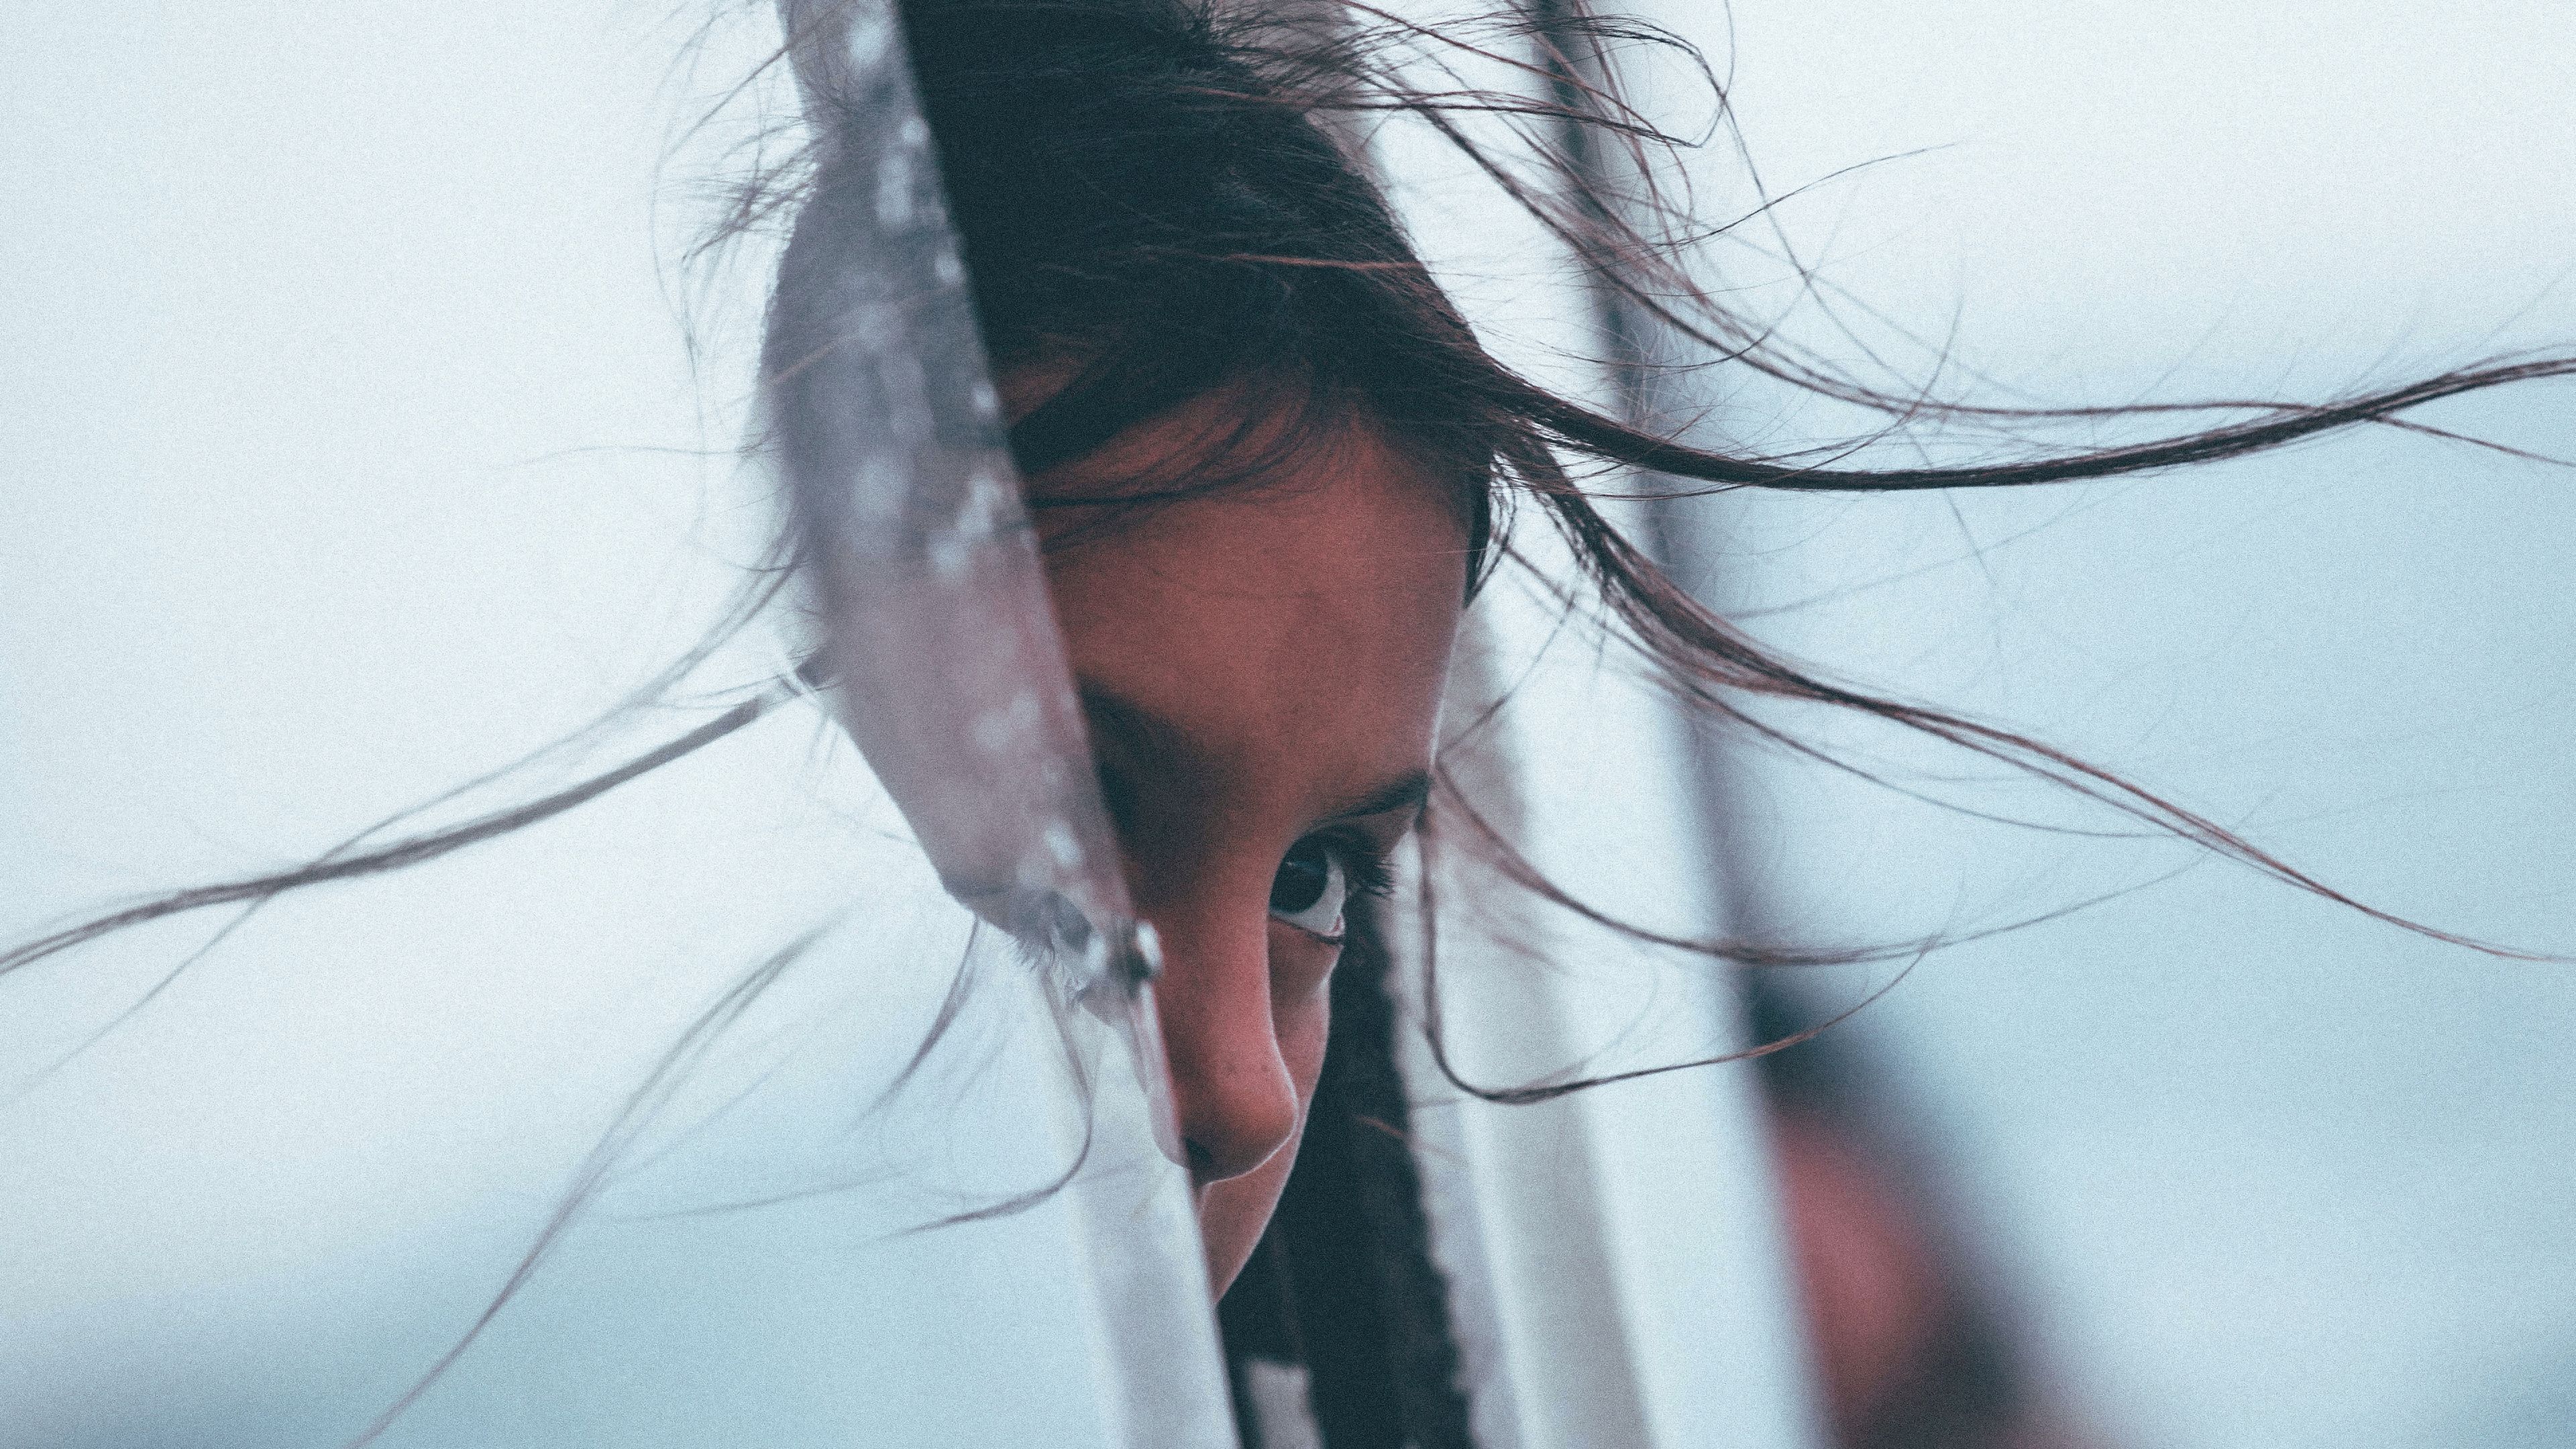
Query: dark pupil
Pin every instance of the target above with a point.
(1302, 877)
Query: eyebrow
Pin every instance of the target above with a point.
(1410, 792)
(1137, 736)
(1140, 739)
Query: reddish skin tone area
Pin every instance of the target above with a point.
(1874, 1296)
(1259, 666)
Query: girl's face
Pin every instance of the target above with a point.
(1261, 670)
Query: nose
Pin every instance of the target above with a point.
(1231, 1086)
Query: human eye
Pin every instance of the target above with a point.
(1315, 881)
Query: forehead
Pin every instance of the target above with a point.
(1256, 430)
(1299, 625)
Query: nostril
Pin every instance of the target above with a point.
(1233, 1132)
(1203, 1164)
(1208, 1166)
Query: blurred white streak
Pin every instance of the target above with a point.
(2259, 1172)
(365, 436)
(1614, 1257)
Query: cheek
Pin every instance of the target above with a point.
(1301, 973)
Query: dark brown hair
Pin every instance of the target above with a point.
(1158, 197)
(1157, 188)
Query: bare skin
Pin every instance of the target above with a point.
(1262, 673)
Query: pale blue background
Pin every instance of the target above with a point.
(363, 435)
(2260, 1173)
(2256, 1171)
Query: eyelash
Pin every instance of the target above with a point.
(1365, 871)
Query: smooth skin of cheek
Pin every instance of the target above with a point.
(1260, 668)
